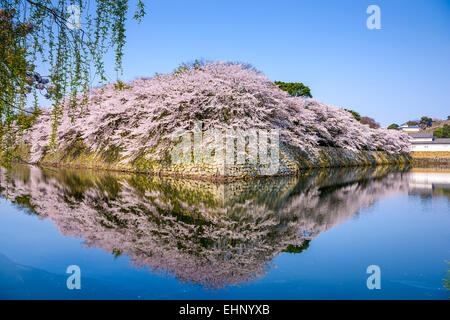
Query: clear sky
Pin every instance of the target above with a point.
(394, 74)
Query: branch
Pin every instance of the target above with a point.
(58, 19)
(15, 107)
(53, 12)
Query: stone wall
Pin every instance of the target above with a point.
(291, 162)
(422, 158)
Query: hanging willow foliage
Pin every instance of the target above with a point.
(42, 34)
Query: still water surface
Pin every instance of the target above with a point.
(141, 237)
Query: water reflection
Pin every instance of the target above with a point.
(429, 182)
(202, 232)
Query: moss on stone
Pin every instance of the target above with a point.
(77, 155)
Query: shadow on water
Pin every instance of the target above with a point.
(210, 234)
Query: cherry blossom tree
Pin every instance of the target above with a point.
(139, 118)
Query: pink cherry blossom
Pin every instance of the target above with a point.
(141, 118)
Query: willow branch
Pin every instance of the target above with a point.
(15, 107)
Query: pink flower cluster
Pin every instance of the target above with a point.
(143, 116)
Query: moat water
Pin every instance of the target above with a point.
(141, 237)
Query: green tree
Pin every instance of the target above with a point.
(355, 114)
(425, 122)
(39, 33)
(442, 132)
(295, 89)
(394, 126)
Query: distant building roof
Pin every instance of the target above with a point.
(408, 126)
(421, 134)
(435, 141)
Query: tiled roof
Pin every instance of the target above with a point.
(421, 134)
(435, 141)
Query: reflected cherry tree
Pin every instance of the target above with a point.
(211, 234)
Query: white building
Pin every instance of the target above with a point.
(425, 141)
(408, 128)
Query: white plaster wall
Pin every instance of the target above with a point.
(431, 147)
(411, 130)
(421, 139)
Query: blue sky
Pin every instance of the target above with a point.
(398, 73)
